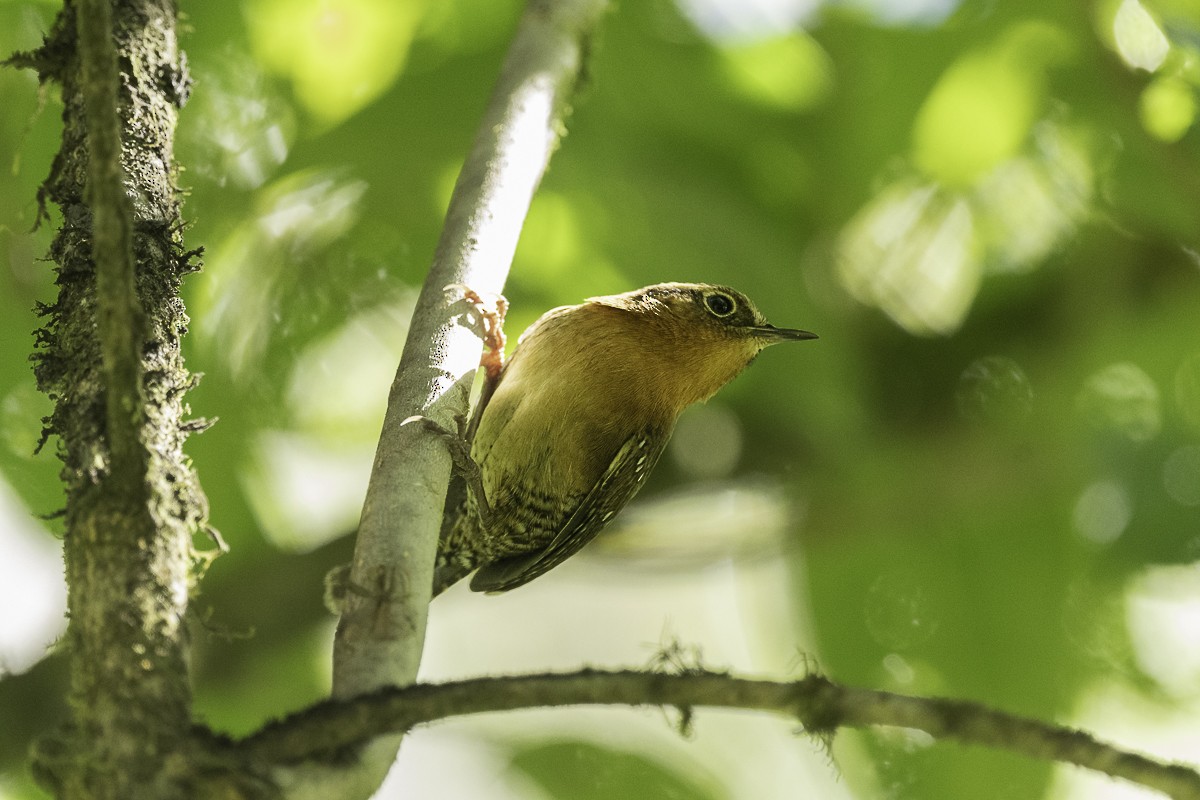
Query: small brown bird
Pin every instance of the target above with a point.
(579, 416)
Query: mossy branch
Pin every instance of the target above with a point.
(819, 704)
(109, 356)
(119, 320)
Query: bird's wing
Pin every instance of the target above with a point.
(620, 482)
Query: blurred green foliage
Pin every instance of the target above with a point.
(584, 771)
(989, 214)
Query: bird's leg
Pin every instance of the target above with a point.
(488, 322)
(490, 326)
(460, 453)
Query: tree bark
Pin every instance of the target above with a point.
(109, 358)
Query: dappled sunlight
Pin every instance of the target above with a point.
(306, 483)
(1162, 621)
(1123, 399)
(983, 107)
(707, 442)
(31, 581)
(1118, 713)
(1139, 40)
(241, 131)
(1167, 108)
(906, 12)
(1000, 191)
(723, 20)
(919, 251)
(253, 271)
(702, 525)
(731, 20)
(965, 488)
(340, 56)
(339, 384)
(911, 253)
(1030, 204)
(21, 420)
(1103, 512)
(1167, 104)
(789, 72)
(305, 491)
(732, 614)
(1163, 617)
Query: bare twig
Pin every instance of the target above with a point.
(819, 704)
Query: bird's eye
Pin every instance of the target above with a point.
(720, 304)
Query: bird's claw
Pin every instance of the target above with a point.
(490, 326)
(460, 453)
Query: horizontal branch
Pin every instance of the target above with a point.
(820, 705)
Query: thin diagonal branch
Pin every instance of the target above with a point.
(382, 628)
(381, 632)
(821, 705)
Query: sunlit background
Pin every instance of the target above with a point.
(982, 481)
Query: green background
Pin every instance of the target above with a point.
(986, 471)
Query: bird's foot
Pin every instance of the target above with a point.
(460, 453)
(489, 322)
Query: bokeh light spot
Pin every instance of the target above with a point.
(338, 55)
(1167, 108)
(1181, 475)
(1027, 205)
(31, 587)
(1122, 398)
(899, 611)
(1163, 619)
(732, 20)
(1103, 512)
(787, 72)
(1140, 42)
(242, 130)
(251, 272)
(981, 110)
(898, 669)
(339, 384)
(1187, 391)
(707, 442)
(994, 388)
(911, 253)
(21, 413)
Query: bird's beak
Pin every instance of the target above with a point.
(773, 334)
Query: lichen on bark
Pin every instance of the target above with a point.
(128, 521)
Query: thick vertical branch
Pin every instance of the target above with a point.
(382, 628)
(118, 315)
(109, 357)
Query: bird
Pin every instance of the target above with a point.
(577, 418)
